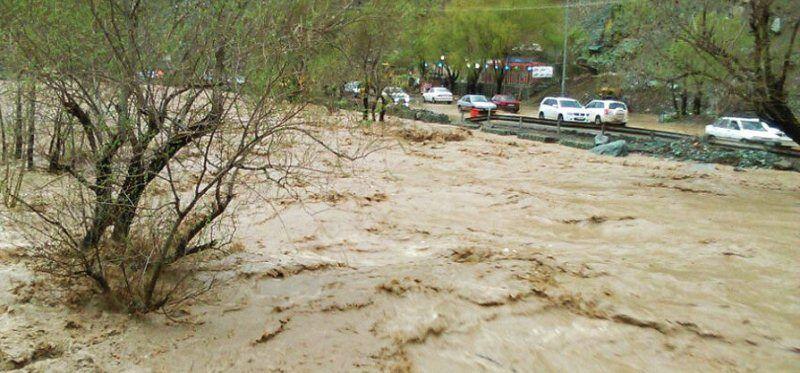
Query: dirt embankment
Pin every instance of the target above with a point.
(470, 252)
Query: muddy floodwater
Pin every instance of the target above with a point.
(488, 254)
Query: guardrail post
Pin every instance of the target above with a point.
(520, 122)
(558, 126)
(489, 117)
(462, 116)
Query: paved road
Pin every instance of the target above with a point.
(647, 121)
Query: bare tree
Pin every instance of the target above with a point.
(181, 106)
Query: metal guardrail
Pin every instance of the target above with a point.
(622, 130)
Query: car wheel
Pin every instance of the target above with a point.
(460, 108)
(449, 102)
(597, 120)
(541, 115)
(560, 119)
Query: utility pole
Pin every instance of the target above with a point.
(564, 62)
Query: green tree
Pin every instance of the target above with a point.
(471, 33)
(749, 48)
(372, 48)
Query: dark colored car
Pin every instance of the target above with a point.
(506, 102)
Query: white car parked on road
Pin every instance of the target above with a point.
(479, 102)
(438, 94)
(563, 109)
(742, 129)
(785, 140)
(607, 111)
(398, 95)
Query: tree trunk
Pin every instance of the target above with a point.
(365, 101)
(3, 136)
(56, 145)
(499, 79)
(383, 108)
(18, 119)
(675, 103)
(697, 103)
(697, 100)
(451, 77)
(778, 112)
(684, 102)
(31, 123)
(472, 81)
(471, 84)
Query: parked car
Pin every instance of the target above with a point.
(607, 111)
(238, 80)
(479, 102)
(562, 109)
(742, 129)
(506, 102)
(398, 95)
(775, 130)
(438, 94)
(352, 88)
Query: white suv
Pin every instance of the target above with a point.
(607, 111)
(562, 109)
(438, 94)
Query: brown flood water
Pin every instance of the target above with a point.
(489, 254)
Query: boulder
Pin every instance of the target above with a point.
(617, 148)
(783, 164)
(600, 140)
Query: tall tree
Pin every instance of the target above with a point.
(748, 47)
(470, 32)
(371, 45)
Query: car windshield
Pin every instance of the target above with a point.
(570, 103)
(441, 90)
(505, 98)
(479, 99)
(752, 125)
(617, 105)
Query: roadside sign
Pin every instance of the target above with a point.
(541, 71)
